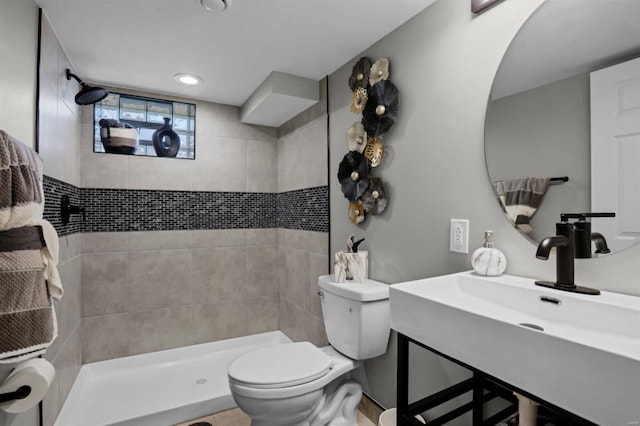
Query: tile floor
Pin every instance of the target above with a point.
(235, 417)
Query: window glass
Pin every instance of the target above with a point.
(146, 116)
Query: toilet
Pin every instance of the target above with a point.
(299, 384)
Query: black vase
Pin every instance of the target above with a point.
(166, 142)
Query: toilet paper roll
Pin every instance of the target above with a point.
(36, 373)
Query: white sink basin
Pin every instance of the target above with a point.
(586, 359)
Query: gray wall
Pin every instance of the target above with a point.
(443, 62)
(544, 132)
(18, 40)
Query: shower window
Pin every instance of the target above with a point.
(147, 115)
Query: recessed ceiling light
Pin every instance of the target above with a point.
(188, 79)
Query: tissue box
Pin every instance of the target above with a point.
(351, 267)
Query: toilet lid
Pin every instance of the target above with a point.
(281, 366)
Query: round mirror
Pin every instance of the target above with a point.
(562, 131)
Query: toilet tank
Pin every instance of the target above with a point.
(356, 316)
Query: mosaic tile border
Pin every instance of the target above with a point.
(123, 210)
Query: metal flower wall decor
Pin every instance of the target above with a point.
(376, 97)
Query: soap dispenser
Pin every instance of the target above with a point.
(488, 260)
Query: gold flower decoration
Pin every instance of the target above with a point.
(359, 100)
(356, 211)
(379, 71)
(374, 151)
(356, 137)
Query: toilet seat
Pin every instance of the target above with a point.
(281, 366)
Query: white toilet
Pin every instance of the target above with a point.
(302, 385)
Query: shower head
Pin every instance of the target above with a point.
(88, 94)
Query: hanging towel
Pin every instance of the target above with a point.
(520, 199)
(29, 278)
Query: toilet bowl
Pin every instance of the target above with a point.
(299, 384)
(296, 384)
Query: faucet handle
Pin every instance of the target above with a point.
(564, 217)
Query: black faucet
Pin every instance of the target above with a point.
(571, 241)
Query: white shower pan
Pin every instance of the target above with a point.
(159, 388)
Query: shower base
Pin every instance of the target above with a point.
(159, 388)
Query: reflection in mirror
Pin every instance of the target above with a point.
(542, 120)
(127, 124)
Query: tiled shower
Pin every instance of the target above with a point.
(179, 252)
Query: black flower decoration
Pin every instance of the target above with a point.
(374, 199)
(353, 174)
(360, 74)
(381, 110)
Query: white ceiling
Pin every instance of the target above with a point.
(142, 44)
(564, 38)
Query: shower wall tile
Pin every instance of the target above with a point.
(68, 362)
(159, 279)
(147, 336)
(101, 170)
(262, 271)
(51, 403)
(262, 237)
(261, 157)
(166, 174)
(220, 237)
(262, 314)
(159, 240)
(294, 276)
(102, 242)
(318, 266)
(219, 274)
(104, 284)
(220, 320)
(221, 165)
(105, 337)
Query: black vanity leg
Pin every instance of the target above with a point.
(403, 379)
(478, 404)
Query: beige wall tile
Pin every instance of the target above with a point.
(221, 320)
(105, 337)
(51, 403)
(68, 363)
(262, 314)
(219, 121)
(261, 133)
(221, 165)
(314, 330)
(317, 266)
(262, 271)
(100, 170)
(68, 310)
(159, 279)
(166, 174)
(104, 284)
(100, 242)
(219, 238)
(302, 157)
(291, 323)
(219, 274)
(70, 247)
(294, 286)
(159, 240)
(160, 329)
(262, 237)
(262, 157)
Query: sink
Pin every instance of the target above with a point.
(579, 352)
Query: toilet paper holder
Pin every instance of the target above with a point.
(21, 393)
